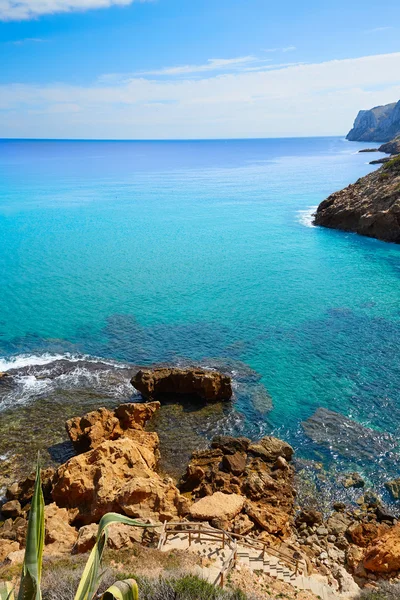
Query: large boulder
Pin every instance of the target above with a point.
(6, 547)
(167, 382)
(270, 448)
(383, 555)
(117, 476)
(92, 429)
(218, 506)
(120, 536)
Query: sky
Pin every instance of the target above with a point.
(184, 69)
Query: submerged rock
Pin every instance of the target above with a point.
(346, 437)
(166, 382)
(394, 488)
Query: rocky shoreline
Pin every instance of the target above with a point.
(242, 486)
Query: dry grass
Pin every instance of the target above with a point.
(385, 591)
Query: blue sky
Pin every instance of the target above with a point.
(197, 68)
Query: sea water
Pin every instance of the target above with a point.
(201, 252)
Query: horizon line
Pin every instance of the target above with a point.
(222, 139)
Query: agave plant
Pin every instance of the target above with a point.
(29, 588)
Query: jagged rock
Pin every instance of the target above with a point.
(309, 517)
(346, 437)
(270, 448)
(242, 524)
(23, 490)
(362, 534)
(14, 530)
(394, 488)
(92, 429)
(378, 124)
(354, 556)
(218, 506)
(234, 463)
(347, 585)
(273, 520)
(15, 558)
(162, 382)
(11, 509)
(86, 539)
(383, 556)
(338, 523)
(370, 207)
(6, 547)
(353, 480)
(392, 147)
(60, 537)
(116, 476)
(229, 444)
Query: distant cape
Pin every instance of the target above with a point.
(379, 124)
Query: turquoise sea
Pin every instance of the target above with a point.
(201, 251)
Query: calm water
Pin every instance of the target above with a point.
(168, 251)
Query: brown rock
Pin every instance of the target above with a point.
(234, 463)
(117, 475)
(86, 539)
(272, 519)
(354, 556)
(14, 530)
(310, 517)
(205, 384)
(11, 509)
(60, 537)
(217, 506)
(15, 558)
(270, 448)
(92, 429)
(338, 523)
(6, 547)
(383, 555)
(23, 490)
(229, 444)
(363, 534)
(242, 524)
(394, 488)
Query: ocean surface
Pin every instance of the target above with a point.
(115, 254)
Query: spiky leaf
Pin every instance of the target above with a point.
(32, 568)
(6, 591)
(90, 577)
(122, 590)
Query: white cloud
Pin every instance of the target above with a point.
(303, 99)
(378, 29)
(284, 49)
(213, 64)
(27, 41)
(21, 10)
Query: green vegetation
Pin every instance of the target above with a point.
(392, 165)
(385, 591)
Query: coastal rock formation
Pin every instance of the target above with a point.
(168, 382)
(92, 429)
(116, 476)
(392, 147)
(370, 207)
(383, 556)
(379, 124)
(346, 437)
(235, 466)
(60, 537)
(217, 506)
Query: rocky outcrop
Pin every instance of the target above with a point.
(383, 556)
(379, 124)
(162, 383)
(127, 420)
(235, 466)
(60, 537)
(392, 147)
(346, 437)
(370, 207)
(116, 476)
(217, 506)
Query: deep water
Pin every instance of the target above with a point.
(147, 252)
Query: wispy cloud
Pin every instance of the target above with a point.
(212, 64)
(22, 10)
(284, 49)
(301, 99)
(31, 40)
(378, 29)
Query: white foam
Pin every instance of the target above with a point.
(306, 217)
(25, 360)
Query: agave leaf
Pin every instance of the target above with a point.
(90, 577)
(32, 568)
(122, 590)
(6, 591)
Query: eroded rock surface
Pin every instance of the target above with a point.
(166, 382)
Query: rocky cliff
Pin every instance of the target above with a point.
(370, 207)
(379, 124)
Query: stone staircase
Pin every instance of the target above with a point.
(216, 558)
